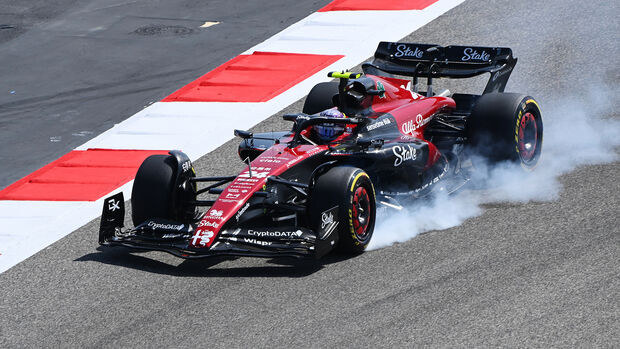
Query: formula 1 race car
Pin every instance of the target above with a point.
(366, 142)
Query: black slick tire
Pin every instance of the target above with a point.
(151, 195)
(320, 97)
(506, 127)
(349, 192)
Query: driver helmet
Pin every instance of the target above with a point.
(327, 131)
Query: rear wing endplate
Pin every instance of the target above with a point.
(434, 61)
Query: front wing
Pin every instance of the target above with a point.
(175, 238)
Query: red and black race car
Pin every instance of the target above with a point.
(366, 142)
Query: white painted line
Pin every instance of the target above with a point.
(209, 24)
(27, 227)
(352, 33)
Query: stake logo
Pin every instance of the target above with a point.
(403, 154)
(472, 55)
(326, 218)
(403, 50)
(329, 222)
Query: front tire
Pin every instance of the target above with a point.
(151, 195)
(349, 192)
(507, 127)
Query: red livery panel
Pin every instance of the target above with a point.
(272, 162)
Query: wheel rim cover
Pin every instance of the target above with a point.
(361, 212)
(528, 137)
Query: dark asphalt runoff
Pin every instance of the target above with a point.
(70, 70)
(542, 274)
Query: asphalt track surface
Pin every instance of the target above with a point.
(536, 275)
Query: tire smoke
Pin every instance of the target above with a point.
(578, 130)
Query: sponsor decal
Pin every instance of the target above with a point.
(500, 74)
(403, 50)
(378, 124)
(410, 126)
(242, 211)
(232, 196)
(394, 193)
(326, 218)
(434, 180)
(230, 201)
(114, 205)
(381, 89)
(214, 214)
(257, 242)
(202, 238)
(154, 226)
(272, 159)
(171, 236)
(276, 234)
(404, 153)
(255, 174)
(470, 54)
(186, 166)
(240, 185)
(209, 224)
(251, 180)
(329, 222)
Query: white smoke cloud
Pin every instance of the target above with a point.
(578, 130)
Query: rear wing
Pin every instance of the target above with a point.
(433, 61)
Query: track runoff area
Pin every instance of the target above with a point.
(69, 192)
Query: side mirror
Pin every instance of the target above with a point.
(243, 134)
(292, 117)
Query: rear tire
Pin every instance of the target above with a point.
(151, 196)
(506, 127)
(351, 190)
(321, 97)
